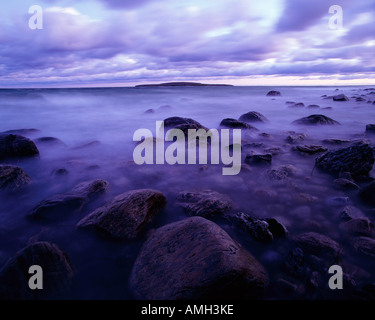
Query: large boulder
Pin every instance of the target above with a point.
(15, 146)
(316, 119)
(318, 244)
(57, 273)
(183, 124)
(236, 124)
(60, 205)
(126, 215)
(13, 178)
(205, 203)
(253, 116)
(195, 259)
(357, 160)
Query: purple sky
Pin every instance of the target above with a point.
(244, 42)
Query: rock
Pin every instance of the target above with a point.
(358, 160)
(183, 124)
(258, 159)
(60, 172)
(340, 97)
(281, 173)
(294, 263)
(253, 116)
(350, 212)
(263, 230)
(195, 259)
(364, 245)
(13, 178)
(360, 99)
(126, 215)
(149, 111)
(358, 226)
(313, 106)
(367, 194)
(337, 201)
(316, 119)
(299, 105)
(274, 93)
(235, 124)
(206, 203)
(50, 141)
(310, 149)
(165, 107)
(21, 132)
(294, 138)
(57, 273)
(90, 144)
(60, 205)
(14, 146)
(274, 151)
(318, 244)
(290, 102)
(335, 141)
(344, 184)
(370, 128)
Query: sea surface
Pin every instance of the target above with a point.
(96, 127)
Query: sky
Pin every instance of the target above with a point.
(91, 43)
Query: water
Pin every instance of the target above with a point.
(108, 117)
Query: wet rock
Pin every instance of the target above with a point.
(316, 119)
(358, 226)
(195, 259)
(126, 215)
(289, 287)
(263, 230)
(313, 106)
(370, 128)
(60, 172)
(360, 99)
(273, 93)
(21, 132)
(350, 212)
(281, 173)
(299, 105)
(50, 141)
(318, 244)
(337, 201)
(340, 97)
(206, 203)
(57, 273)
(60, 205)
(364, 245)
(295, 138)
(253, 116)
(310, 149)
(235, 124)
(358, 160)
(15, 146)
(149, 111)
(344, 184)
(336, 141)
(274, 151)
(165, 107)
(367, 194)
(258, 159)
(90, 144)
(13, 178)
(183, 124)
(294, 263)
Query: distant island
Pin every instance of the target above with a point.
(183, 84)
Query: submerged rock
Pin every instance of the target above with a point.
(345, 184)
(235, 124)
(183, 124)
(21, 132)
(310, 149)
(15, 146)
(126, 215)
(57, 273)
(316, 119)
(359, 226)
(357, 160)
(60, 205)
(350, 212)
(364, 245)
(253, 116)
(318, 244)
(258, 159)
(195, 259)
(274, 93)
(206, 203)
(295, 138)
(13, 178)
(50, 141)
(340, 97)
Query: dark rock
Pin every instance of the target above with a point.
(235, 124)
(294, 263)
(313, 106)
(183, 124)
(195, 259)
(358, 226)
(90, 144)
(364, 245)
(360, 99)
(318, 244)
(14, 146)
(281, 173)
(126, 215)
(273, 93)
(358, 160)
(258, 159)
(340, 97)
(367, 194)
(253, 116)
(299, 105)
(295, 138)
(274, 151)
(60, 172)
(370, 128)
(290, 102)
(60, 205)
(150, 111)
(344, 184)
(206, 203)
(336, 141)
(21, 132)
(13, 178)
(350, 212)
(57, 273)
(310, 149)
(50, 141)
(165, 107)
(316, 119)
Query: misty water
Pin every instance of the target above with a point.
(96, 126)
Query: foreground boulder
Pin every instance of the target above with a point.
(60, 205)
(253, 116)
(236, 124)
(15, 146)
(206, 203)
(316, 119)
(13, 178)
(57, 273)
(183, 124)
(195, 259)
(126, 215)
(357, 160)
